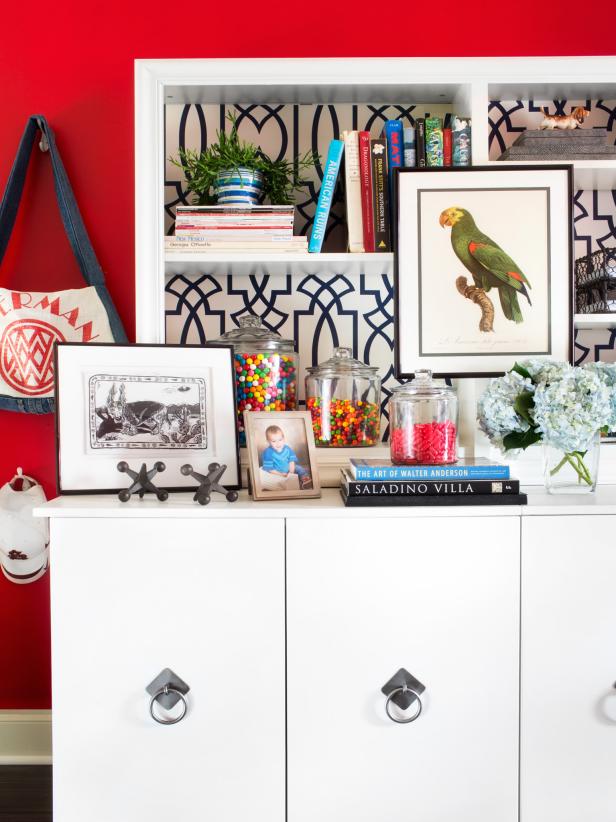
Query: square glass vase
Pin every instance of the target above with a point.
(572, 472)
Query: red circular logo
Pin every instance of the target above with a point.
(26, 356)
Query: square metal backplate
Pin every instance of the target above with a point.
(172, 680)
(401, 679)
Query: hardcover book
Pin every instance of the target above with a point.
(411, 488)
(477, 468)
(326, 195)
(420, 140)
(392, 132)
(403, 501)
(380, 194)
(365, 173)
(409, 146)
(447, 146)
(352, 180)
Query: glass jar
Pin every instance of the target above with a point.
(423, 418)
(266, 368)
(344, 397)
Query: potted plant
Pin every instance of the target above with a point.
(233, 171)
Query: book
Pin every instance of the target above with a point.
(352, 186)
(380, 194)
(447, 146)
(409, 147)
(420, 141)
(461, 141)
(326, 195)
(413, 488)
(434, 142)
(409, 501)
(365, 174)
(392, 132)
(478, 468)
(195, 243)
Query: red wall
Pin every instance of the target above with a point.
(77, 69)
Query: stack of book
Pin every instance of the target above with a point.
(370, 483)
(238, 228)
(369, 165)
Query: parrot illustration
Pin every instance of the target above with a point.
(490, 266)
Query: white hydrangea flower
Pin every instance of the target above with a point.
(495, 412)
(569, 411)
(542, 370)
(606, 371)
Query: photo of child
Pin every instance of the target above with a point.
(280, 459)
(281, 454)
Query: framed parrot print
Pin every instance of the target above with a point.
(483, 268)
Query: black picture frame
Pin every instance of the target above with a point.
(399, 371)
(173, 489)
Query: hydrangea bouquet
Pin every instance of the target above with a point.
(560, 405)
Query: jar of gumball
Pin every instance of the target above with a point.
(423, 418)
(266, 368)
(344, 397)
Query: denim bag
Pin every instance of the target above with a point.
(31, 322)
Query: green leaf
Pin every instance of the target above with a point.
(523, 404)
(518, 439)
(519, 369)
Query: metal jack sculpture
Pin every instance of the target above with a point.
(209, 483)
(142, 482)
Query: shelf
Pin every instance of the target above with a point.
(587, 321)
(588, 175)
(234, 262)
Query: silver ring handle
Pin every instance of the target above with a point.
(168, 720)
(404, 720)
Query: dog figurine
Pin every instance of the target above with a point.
(564, 121)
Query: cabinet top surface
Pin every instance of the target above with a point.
(181, 506)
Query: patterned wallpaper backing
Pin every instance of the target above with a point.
(333, 308)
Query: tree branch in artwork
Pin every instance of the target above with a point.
(478, 296)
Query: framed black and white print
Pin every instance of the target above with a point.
(483, 268)
(143, 403)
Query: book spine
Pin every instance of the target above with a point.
(380, 194)
(392, 132)
(326, 195)
(420, 139)
(409, 146)
(434, 142)
(461, 142)
(408, 488)
(367, 209)
(447, 147)
(430, 472)
(352, 180)
(442, 501)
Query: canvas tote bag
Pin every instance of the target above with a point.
(31, 322)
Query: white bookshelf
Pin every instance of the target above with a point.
(590, 321)
(278, 263)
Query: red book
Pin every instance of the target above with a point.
(446, 146)
(365, 176)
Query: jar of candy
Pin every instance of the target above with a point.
(266, 369)
(423, 418)
(344, 397)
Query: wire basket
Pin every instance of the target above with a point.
(595, 282)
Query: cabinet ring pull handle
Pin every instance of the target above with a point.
(168, 720)
(404, 720)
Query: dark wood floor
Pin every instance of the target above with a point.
(25, 793)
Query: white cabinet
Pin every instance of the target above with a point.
(568, 733)
(205, 598)
(439, 597)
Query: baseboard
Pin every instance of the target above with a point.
(25, 737)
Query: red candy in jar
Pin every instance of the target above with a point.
(423, 422)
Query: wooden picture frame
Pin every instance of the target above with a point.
(270, 436)
(452, 314)
(143, 403)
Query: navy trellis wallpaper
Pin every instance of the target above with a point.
(328, 308)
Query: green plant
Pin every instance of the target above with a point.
(280, 177)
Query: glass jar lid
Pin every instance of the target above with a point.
(251, 333)
(342, 364)
(422, 386)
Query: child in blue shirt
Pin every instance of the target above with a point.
(280, 459)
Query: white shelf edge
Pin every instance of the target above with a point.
(278, 256)
(588, 321)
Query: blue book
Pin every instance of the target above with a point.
(326, 195)
(393, 133)
(471, 469)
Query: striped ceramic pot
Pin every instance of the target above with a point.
(239, 186)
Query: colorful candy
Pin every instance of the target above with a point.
(344, 423)
(431, 443)
(264, 382)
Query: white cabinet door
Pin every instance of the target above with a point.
(568, 669)
(439, 597)
(205, 598)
